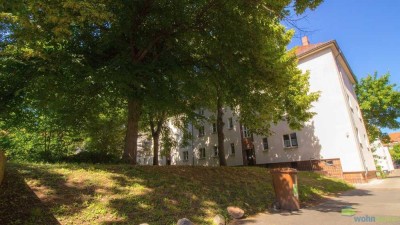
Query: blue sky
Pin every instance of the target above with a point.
(368, 33)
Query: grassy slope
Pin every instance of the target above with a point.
(113, 194)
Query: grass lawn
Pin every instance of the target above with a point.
(123, 194)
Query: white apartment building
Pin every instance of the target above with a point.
(382, 156)
(334, 142)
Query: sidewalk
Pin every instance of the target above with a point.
(377, 202)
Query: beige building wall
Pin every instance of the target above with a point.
(337, 130)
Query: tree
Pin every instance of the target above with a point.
(121, 47)
(380, 104)
(257, 77)
(395, 153)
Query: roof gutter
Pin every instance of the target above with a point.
(325, 45)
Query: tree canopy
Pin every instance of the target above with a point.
(379, 102)
(82, 59)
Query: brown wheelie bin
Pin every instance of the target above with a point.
(286, 189)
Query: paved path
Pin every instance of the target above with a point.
(378, 200)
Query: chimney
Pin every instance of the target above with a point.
(305, 41)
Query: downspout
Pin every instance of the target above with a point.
(350, 115)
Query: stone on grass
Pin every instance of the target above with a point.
(184, 221)
(235, 212)
(219, 220)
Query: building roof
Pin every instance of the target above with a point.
(395, 137)
(308, 49)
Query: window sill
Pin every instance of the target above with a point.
(293, 147)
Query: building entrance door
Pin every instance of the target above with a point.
(250, 157)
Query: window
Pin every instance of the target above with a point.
(358, 135)
(359, 113)
(201, 112)
(201, 131)
(215, 151)
(265, 143)
(202, 152)
(290, 140)
(214, 128)
(293, 139)
(232, 148)
(185, 156)
(349, 101)
(246, 132)
(230, 123)
(329, 162)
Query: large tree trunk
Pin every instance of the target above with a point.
(156, 146)
(220, 132)
(132, 131)
(155, 133)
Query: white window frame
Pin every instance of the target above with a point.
(202, 153)
(265, 140)
(359, 113)
(215, 151)
(233, 150)
(289, 143)
(201, 131)
(230, 123)
(246, 132)
(185, 155)
(214, 128)
(349, 101)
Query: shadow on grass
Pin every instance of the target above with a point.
(196, 193)
(123, 194)
(145, 194)
(19, 204)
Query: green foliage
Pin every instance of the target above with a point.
(67, 64)
(395, 153)
(379, 102)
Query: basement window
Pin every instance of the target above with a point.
(329, 162)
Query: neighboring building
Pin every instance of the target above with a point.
(382, 156)
(334, 142)
(394, 138)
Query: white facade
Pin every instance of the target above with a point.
(382, 156)
(337, 130)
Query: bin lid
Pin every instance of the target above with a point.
(283, 170)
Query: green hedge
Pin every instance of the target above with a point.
(2, 165)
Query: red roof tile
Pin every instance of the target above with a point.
(306, 48)
(394, 137)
